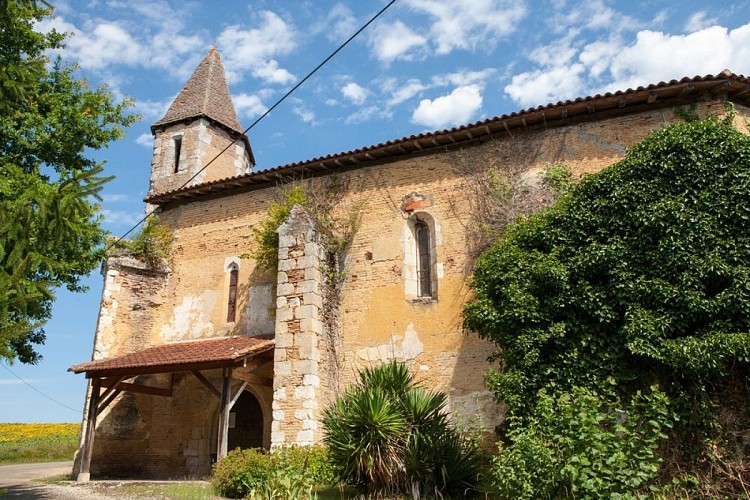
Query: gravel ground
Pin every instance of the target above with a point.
(22, 483)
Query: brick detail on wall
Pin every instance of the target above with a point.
(297, 387)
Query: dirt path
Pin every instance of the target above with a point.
(17, 479)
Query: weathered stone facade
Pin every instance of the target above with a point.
(382, 314)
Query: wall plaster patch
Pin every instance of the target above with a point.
(407, 349)
(192, 318)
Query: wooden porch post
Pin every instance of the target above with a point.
(226, 405)
(88, 440)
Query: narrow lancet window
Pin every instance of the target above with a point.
(424, 259)
(177, 150)
(232, 301)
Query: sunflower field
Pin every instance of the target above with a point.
(29, 443)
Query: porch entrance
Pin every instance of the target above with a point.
(246, 423)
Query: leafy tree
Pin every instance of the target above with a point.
(50, 120)
(641, 275)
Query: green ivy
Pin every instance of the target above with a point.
(640, 275)
(267, 236)
(153, 244)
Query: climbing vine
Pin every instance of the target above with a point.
(500, 186)
(632, 288)
(152, 245)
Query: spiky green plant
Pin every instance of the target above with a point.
(388, 435)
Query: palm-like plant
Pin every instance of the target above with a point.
(388, 435)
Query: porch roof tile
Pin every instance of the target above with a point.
(179, 356)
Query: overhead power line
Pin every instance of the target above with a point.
(266, 113)
(258, 120)
(40, 392)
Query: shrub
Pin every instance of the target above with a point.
(240, 471)
(584, 445)
(153, 244)
(388, 435)
(286, 473)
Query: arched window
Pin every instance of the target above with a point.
(424, 259)
(232, 298)
(421, 268)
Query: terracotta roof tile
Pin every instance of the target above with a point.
(173, 356)
(546, 115)
(205, 94)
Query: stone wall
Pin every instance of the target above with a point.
(300, 378)
(201, 141)
(379, 317)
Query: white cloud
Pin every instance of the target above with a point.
(121, 217)
(355, 93)
(249, 105)
(254, 50)
(532, 88)
(405, 92)
(154, 38)
(463, 78)
(395, 41)
(104, 44)
(699, 21)
(305, 113)
(615, 64)
(340, 23)
(452, 109)
(657, 56)
(114, 198)
(367, 113)
(570, 18)
(153, 110)
(146, 140)
(467, 24)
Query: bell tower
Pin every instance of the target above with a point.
(199, 124)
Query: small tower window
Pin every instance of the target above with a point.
(232, 300)
(424, 259)
(177, 149)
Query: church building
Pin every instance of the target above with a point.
(211, 350)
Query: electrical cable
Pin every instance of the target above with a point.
(261, 117)
(40, 392)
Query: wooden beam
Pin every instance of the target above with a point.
(107, 401)
(88, 440)
(258, 361)
(222, 442)
(237, 395)
(145, 389)
(110, 387)
(207, 383)
(251, 378)
(114, 383)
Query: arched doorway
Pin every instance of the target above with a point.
(246, 423)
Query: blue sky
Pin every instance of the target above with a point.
(424, 65)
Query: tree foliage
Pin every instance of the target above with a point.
(50, 120)
(640, 275)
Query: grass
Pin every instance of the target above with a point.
(33, 443)
(178, 491)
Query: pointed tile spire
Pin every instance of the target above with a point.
(205, 94)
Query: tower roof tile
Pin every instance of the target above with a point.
(206, 94)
